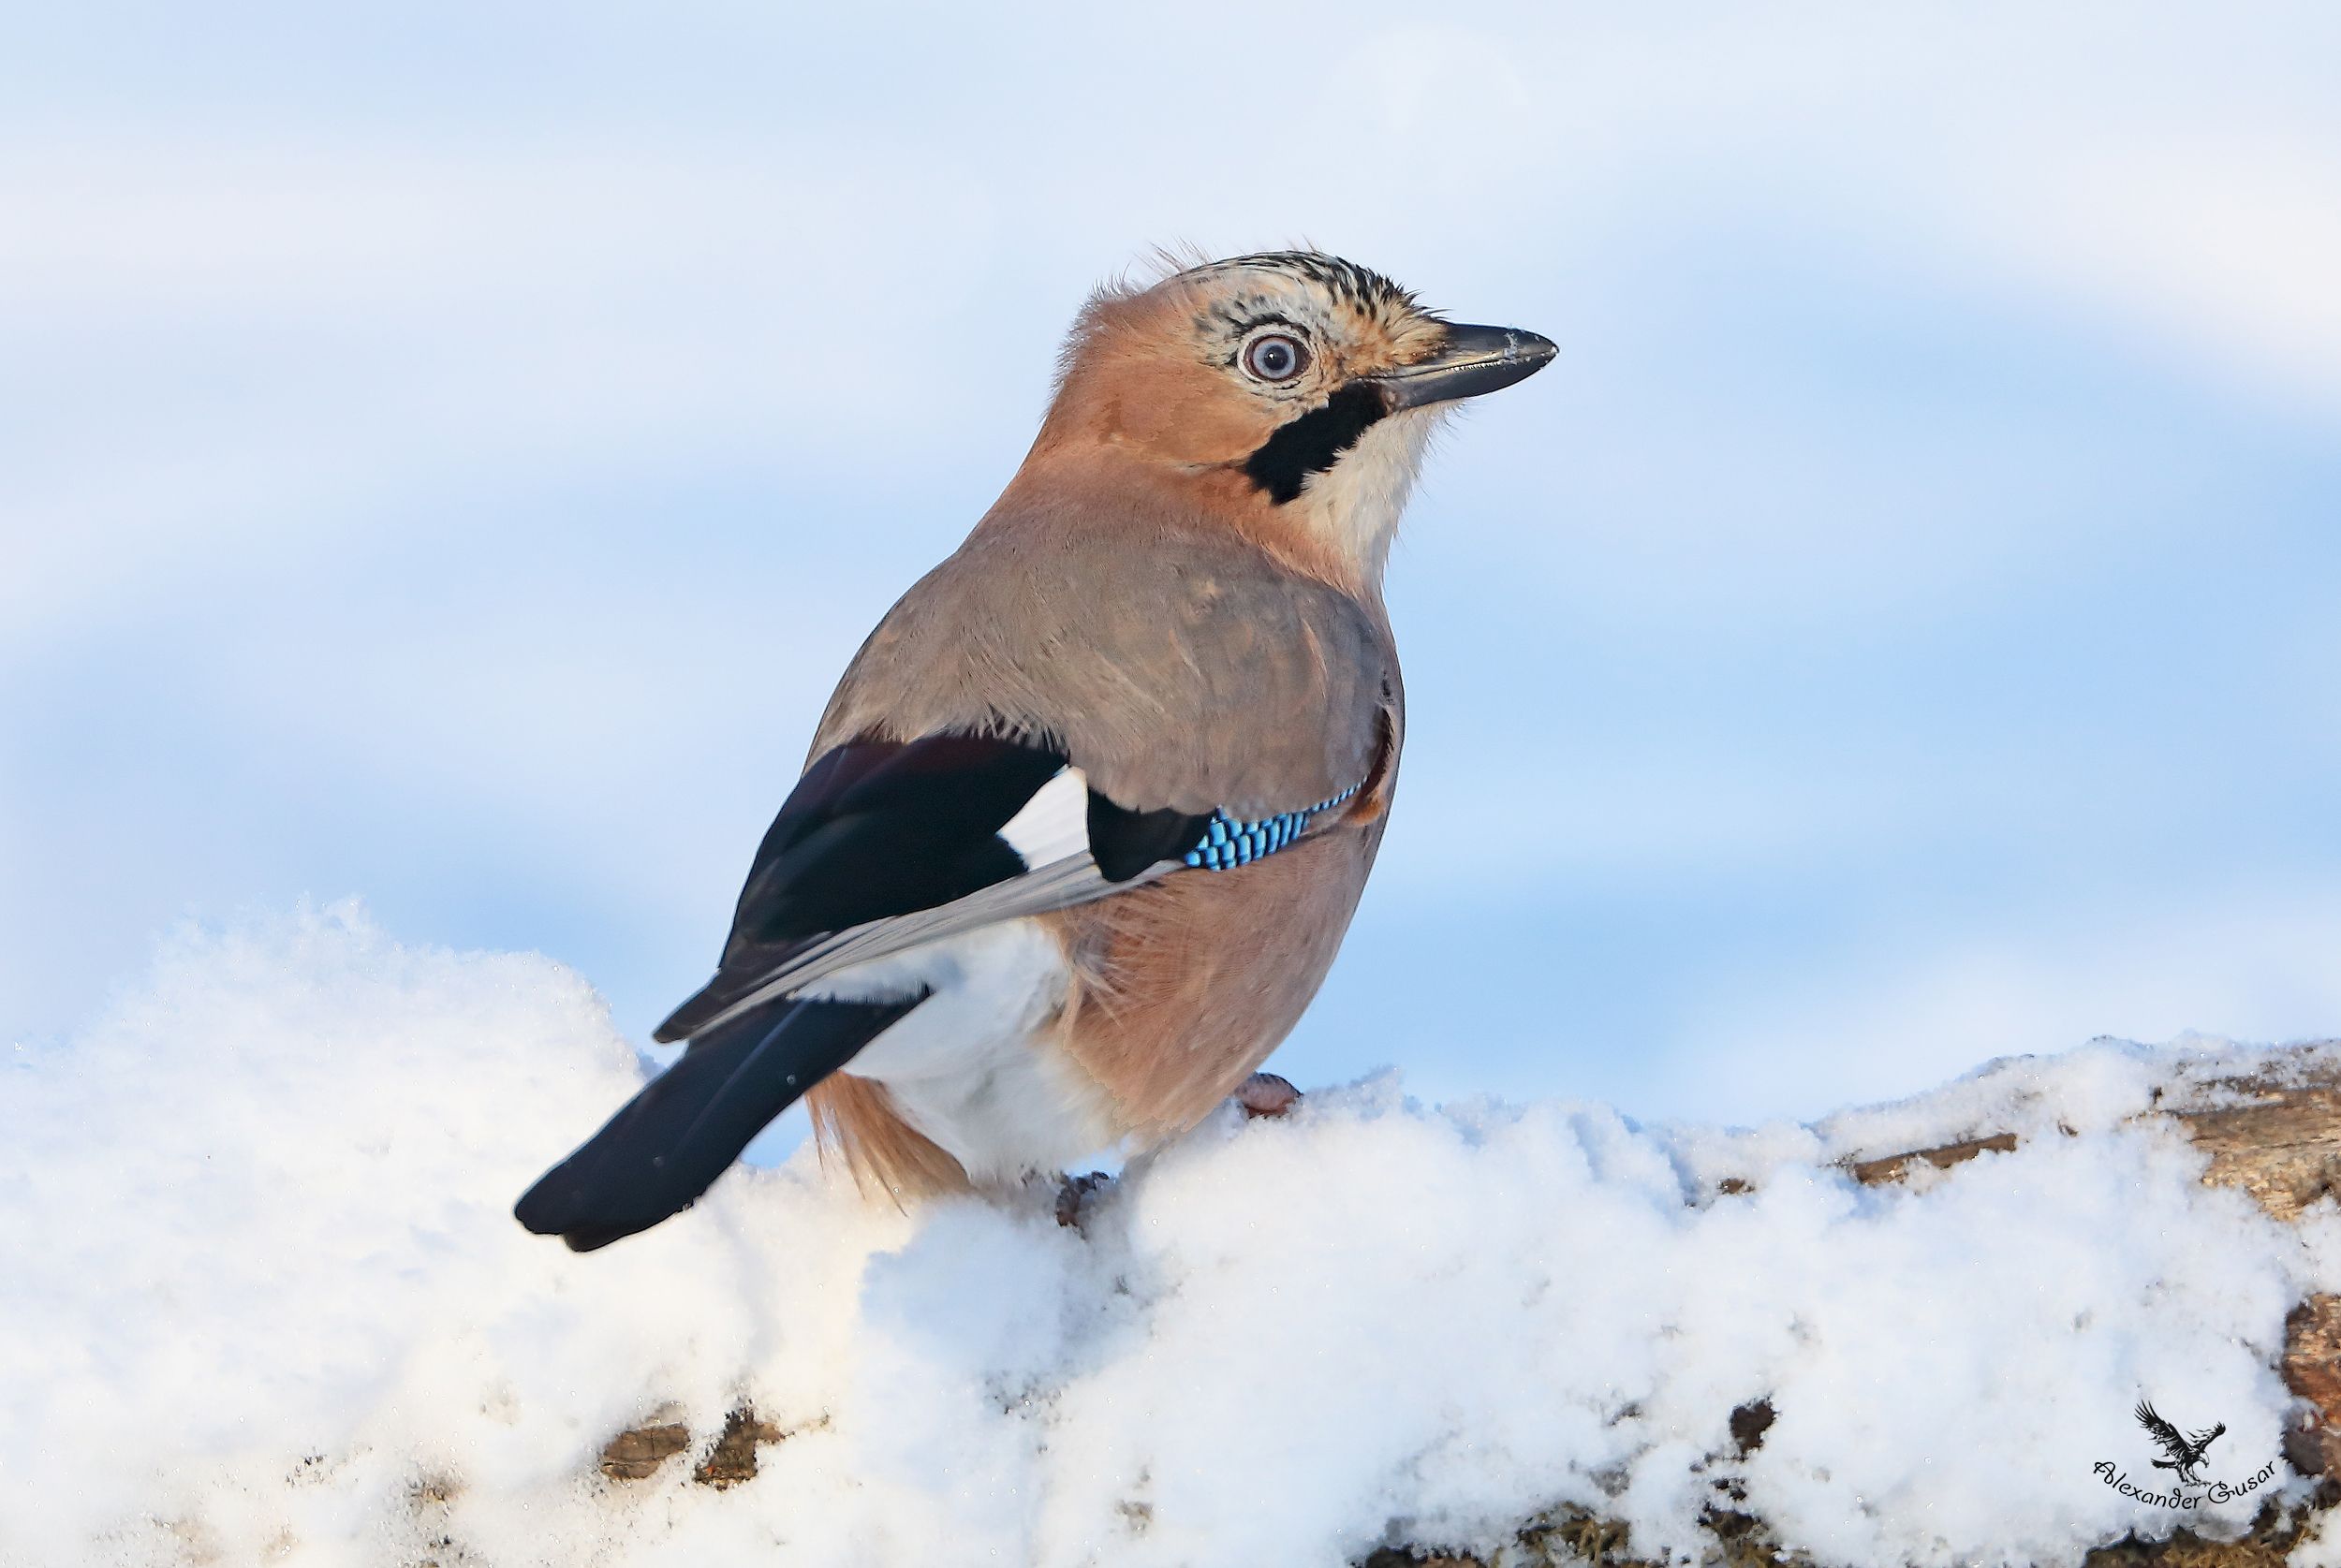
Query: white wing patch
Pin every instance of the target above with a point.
(1054, 824)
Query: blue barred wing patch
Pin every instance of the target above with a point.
(1231, 841)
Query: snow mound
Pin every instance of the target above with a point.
(264, 1302)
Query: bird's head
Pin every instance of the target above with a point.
(1290, 395)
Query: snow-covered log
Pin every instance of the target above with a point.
(264, 1302)
(2273, 1132)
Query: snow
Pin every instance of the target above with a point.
(264, 1302)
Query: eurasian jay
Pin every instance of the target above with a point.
(1087, 819)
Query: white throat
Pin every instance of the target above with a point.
(1358, 501)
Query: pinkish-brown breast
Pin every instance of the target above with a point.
(1185, 985)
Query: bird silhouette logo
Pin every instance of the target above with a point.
(2182, 1453)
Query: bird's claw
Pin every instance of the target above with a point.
(1267, 1095)
(1071, 1191)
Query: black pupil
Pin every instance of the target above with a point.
(1273, 357)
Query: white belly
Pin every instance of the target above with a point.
(976, 1068)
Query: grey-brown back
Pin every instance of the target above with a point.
(1175, 663)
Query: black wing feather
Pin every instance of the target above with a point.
(667, 1143)
(882, 828)
(1124, 843)
(874, 828)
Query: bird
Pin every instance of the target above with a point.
(2183, 1453)
(1085, 823)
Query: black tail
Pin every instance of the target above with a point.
(668, 1143)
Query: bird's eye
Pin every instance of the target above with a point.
(1275, 357)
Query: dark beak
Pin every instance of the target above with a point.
(1473, 360)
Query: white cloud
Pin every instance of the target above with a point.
(2224, 245)
(2255, 963)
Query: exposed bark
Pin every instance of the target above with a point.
(637, 1453)
(1893, 1168)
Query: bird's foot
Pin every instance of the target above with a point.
(1071, 1191)
(1266, 1094)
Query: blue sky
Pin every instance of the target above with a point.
(447, 453)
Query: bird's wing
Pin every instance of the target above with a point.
(1052, 716)
(2168, 1436)
(882, 845)
(887, 844)
(2203, 1440)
